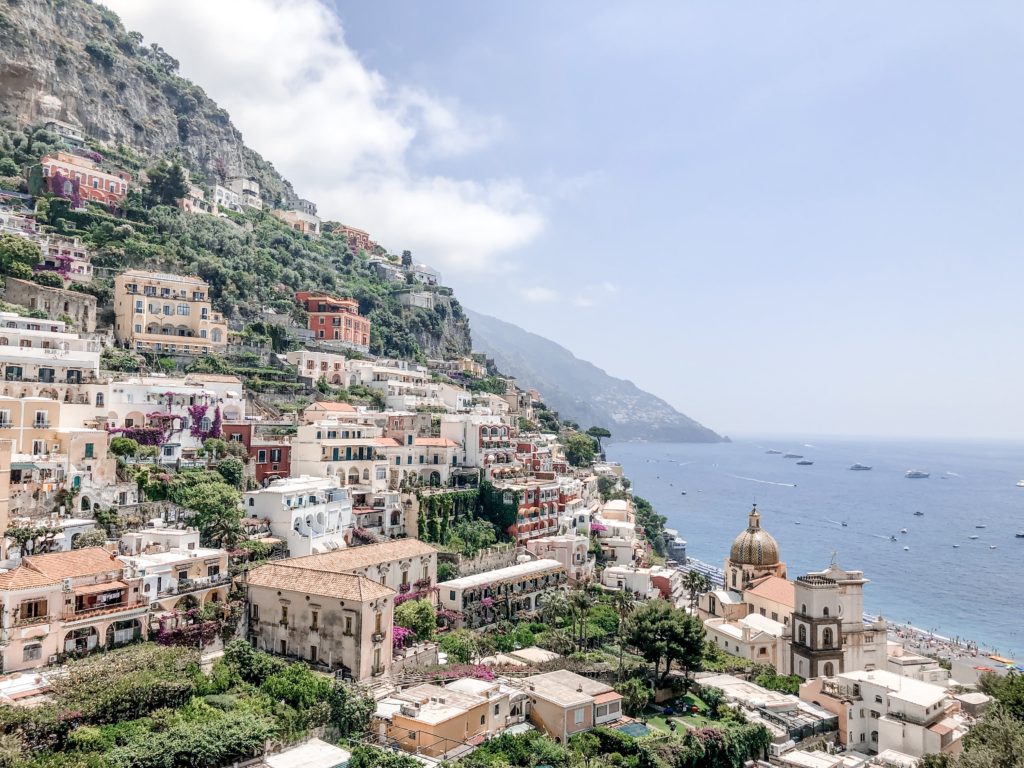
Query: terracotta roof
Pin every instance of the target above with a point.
(436, 442)
(774, 588)
(353, 558)
(77, 562)
(388, 442)
(317, 582)
(327, 406)
(604, 698)
(24, 578)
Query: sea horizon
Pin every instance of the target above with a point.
(705, 490)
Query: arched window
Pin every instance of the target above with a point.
(826, 637)
(830, 669)
(802, 635)
(803, 608)
(824, 611)
(99, 399)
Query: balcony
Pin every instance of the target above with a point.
(28, 622)
(108, 608)
(186, 586)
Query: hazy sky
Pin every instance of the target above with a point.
(781, 217)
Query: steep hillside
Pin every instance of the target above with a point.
(580, 391)
(74, 61)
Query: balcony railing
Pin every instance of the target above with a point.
(193, 585)
(99, 610)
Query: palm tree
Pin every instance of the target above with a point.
(553, 606)
(224, 531)
(580, 603)
(622, 602)
(697, 584)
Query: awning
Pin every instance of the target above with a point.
(93, 589)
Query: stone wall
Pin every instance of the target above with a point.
(490, 559)
(55, 302)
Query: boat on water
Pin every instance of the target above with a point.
(906, 549)
(792, 456)
(956, 546)
(773, 452)
(844, 523)
(859, 467)
(972, 537)
(914, 474)
(903, 530)
(1020, 483)
(919, 513)
(991, 546)
(1020, 534)
(892, 538)
(982, 525)
(804, 463)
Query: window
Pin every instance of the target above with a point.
(377, 619)
(579, 716)
(824, 611)
(802, 634)
(829, 669)
(283, 647)
(183, 309)
(261, 457)
(451, 594)
(168, 451)
(826, 637)
(254, 612)
(312, 653)
(32, 609)
(32, 652)
(284, 614)
(497, 708)
(89, 451)
(316, 618)
(348, 625)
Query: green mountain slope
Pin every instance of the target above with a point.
(580, 391)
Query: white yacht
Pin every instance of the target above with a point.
(916, 473)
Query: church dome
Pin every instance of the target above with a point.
(755, 546)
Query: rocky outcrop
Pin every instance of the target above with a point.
(73, 61)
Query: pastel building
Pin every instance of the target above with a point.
(337, 320)
(40, 357)
(572, 550)
(484, 598)
(301, 217)
(68, 603)
(563, 703)
(93, 184)
(483, 437)
(161, 312)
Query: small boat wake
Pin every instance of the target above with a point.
(766, 482)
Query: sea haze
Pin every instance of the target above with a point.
(971, 591)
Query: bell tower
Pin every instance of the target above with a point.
(817, 626)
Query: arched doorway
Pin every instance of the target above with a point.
(81, 640)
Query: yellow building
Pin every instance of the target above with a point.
(156, 311)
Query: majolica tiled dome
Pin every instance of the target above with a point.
(754, 546)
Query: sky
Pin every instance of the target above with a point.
(783, 218)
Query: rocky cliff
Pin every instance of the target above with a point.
(74, 61)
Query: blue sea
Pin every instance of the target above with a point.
(971, 591)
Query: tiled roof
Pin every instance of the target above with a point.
(353, 558)
(219, 377)
(436, 442)
(774, 588)
(345, 586)
(24, 578)
(327, 406)
(77, 562)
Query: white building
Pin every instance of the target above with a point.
(311, 515)
(753, 637)
(352, 452)
(484, 598)
(571, 550)
(483, 437)
(880, 710)
(43, 352)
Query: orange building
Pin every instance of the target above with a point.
(334, 319)
(93, 183)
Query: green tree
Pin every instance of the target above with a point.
(123, 446)
(232, 470)
(1007, 689)
(696, 584)
(597, 433)
(18, 255)
(622, 602)
(351, 709)
(94, 538)
(48, 278)
(579, 450)
(660, 632)
(419, 616)
(374, 757)
(460, 645)
(166, 184)
(636, 695)
(586, 745)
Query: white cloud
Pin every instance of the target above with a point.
(592, 294)
(539, 293)
(343, 134)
